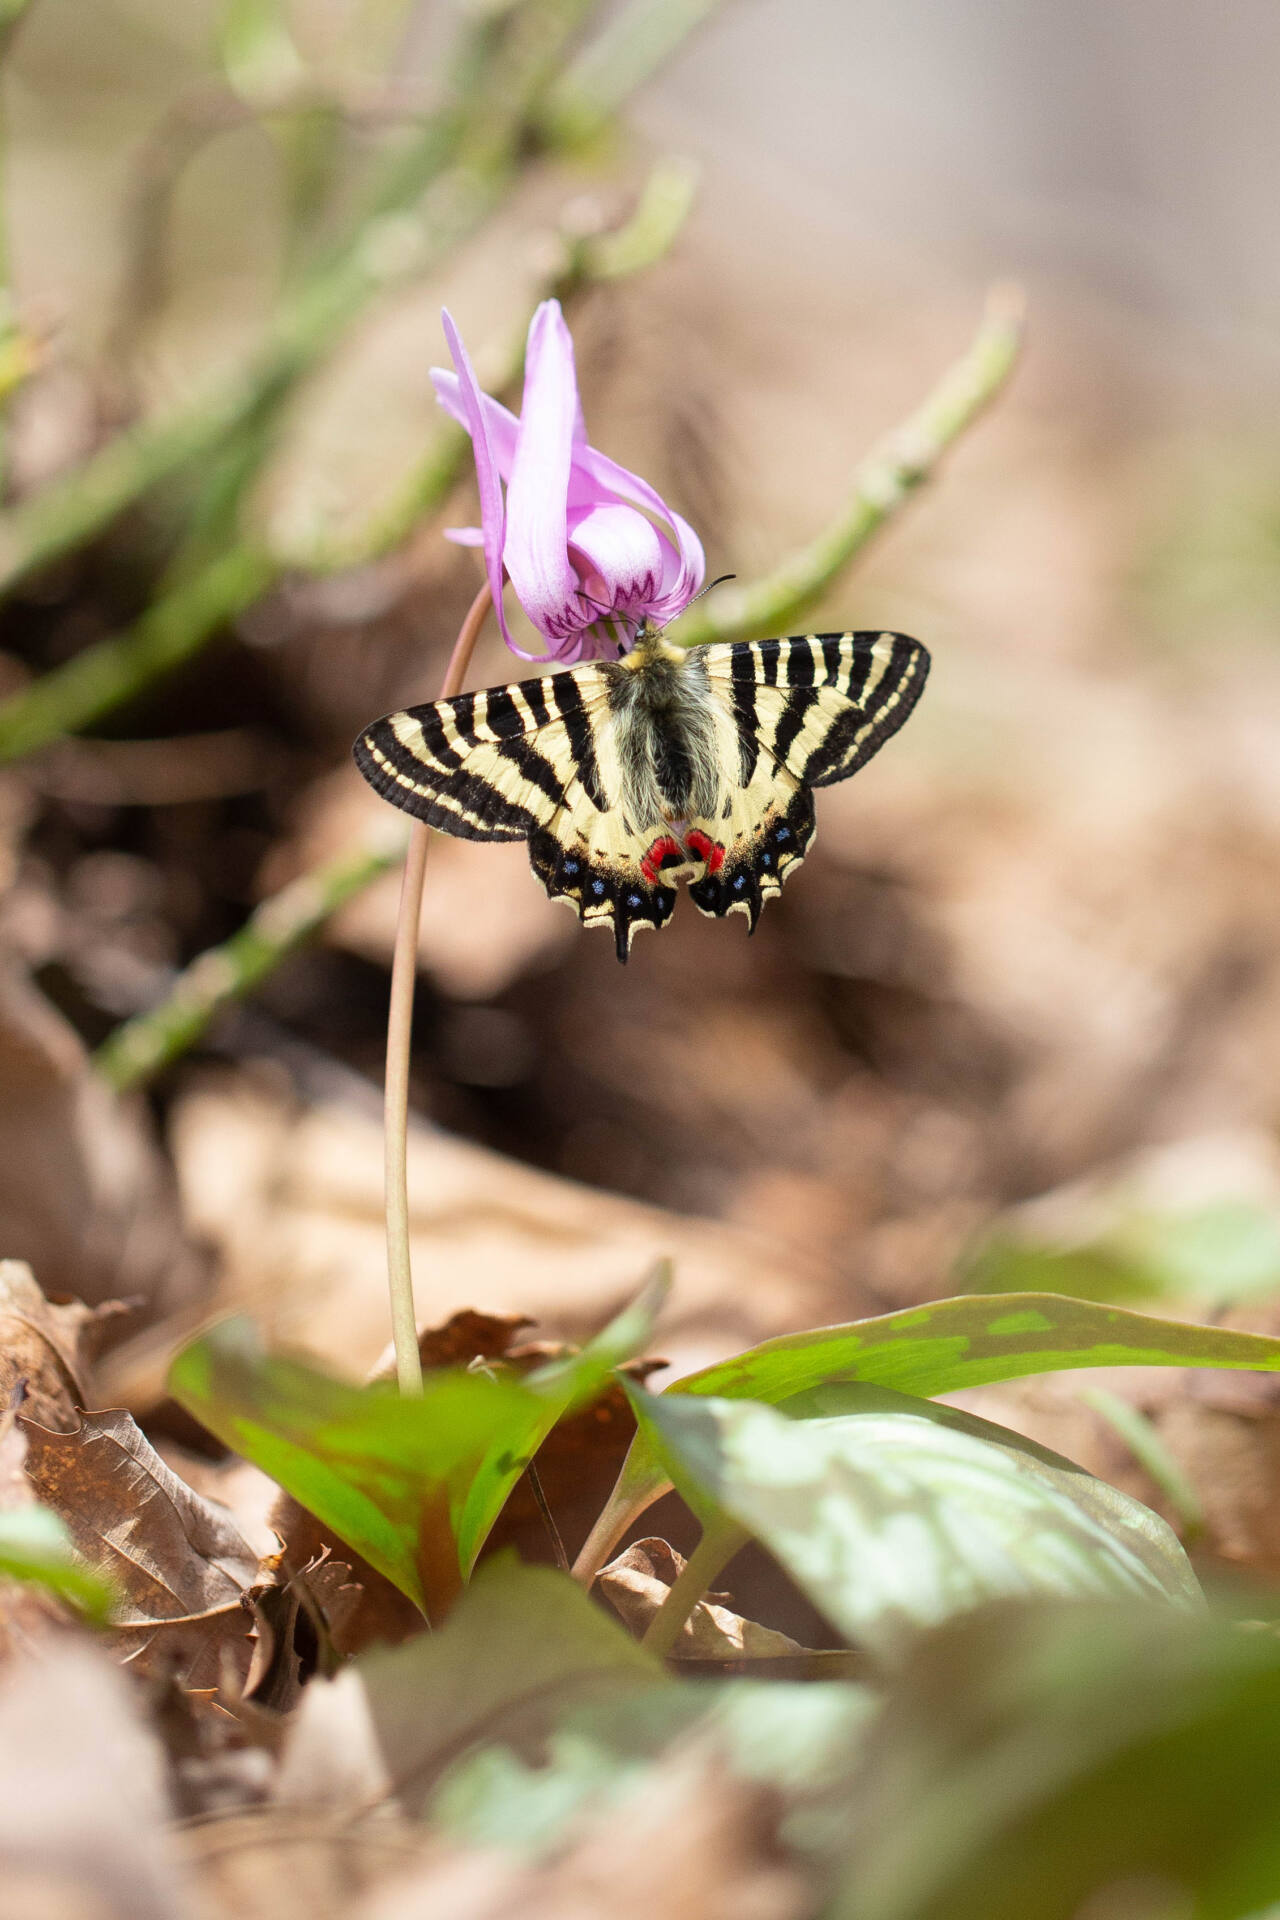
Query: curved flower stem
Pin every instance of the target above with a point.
(404, 973)
(720, 1541)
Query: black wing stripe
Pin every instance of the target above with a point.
(743, 672)
(569, 704)
(799, 663)
(459, 803)
(833, 657)
(535, 698)
(860, 731)
(534, 767)
(800, 702)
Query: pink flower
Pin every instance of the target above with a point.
(590, 549)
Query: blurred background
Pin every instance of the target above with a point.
(1017, 1022)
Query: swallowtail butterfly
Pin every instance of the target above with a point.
(627, 776)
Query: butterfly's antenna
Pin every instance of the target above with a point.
(717, 582)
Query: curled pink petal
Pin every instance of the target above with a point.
(492, 510)
(535, 549)
(619, 555)
(682, 579)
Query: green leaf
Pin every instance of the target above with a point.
(939, 1348)
(36, 1547)
(1206, 1256)
(413, 1484)
(795, 1737)
(893, 1514)
(1038, 1759)
(523, 1646)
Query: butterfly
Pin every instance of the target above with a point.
(670, 764)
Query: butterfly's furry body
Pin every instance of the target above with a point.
(623, 775)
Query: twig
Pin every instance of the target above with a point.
(404, 974)
(903, 459)
(112, 671)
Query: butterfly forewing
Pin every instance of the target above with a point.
(554, 761)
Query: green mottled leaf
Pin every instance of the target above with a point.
(1050, 1761)
(939, 1348)
(413, 1484)
(36, 1547)
(523, 1646)
(795, 1737)
(893, 1514)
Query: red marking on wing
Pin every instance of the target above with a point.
(710, 852)
(651, 865)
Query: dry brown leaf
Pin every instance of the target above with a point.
(28, 1614)
(292, 1197)
(179, 1562)
(43, 1349)
(85, 1195)
(303, 1624)
(82, 1801)
(690, 1843)
(639, 1580)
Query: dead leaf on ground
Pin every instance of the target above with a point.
(28, 1613)
(179, 1562)
(44, 1349)
(303, 1624)
(85, 1194)
(639, 1580)
(82, 1802)
(690, 1843)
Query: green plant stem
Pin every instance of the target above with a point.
(112, 671)
(140, 1048)
(404, 974)
(719, 1542)
(587, 96)
(895, 468)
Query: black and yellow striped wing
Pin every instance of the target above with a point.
(806, 712)
(554, 761)
(536, 761)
